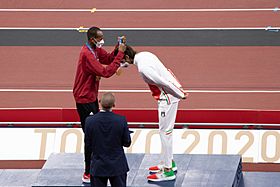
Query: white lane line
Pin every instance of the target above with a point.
(190, 10)
(144, 10)
(148, 29)
(43, 10)
(144, 91)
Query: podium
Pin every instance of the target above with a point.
(66, 169)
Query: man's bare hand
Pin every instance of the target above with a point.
(119, 72)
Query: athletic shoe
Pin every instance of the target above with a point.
(86, 178)
(162, 176)
(160, 167)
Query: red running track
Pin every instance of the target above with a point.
(139, 4)
(203, 68)
(139, 19)
(198, 68)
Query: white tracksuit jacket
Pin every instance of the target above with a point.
(167, 90)
(161, 80)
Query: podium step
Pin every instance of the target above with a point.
(261, 179)
(18, 177)
(66, 169)
(62, 169)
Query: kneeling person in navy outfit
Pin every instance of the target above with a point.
(106, 134)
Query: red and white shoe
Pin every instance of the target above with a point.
(160, 167)
(86, 178)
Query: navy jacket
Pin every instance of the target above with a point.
(106, 134)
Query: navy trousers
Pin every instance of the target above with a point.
(115, 181)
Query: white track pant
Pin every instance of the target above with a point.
(167, 115)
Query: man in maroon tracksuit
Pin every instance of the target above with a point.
(89, 71)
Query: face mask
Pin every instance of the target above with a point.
(99, 44)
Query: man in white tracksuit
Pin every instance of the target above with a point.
(167, 90)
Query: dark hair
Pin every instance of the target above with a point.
(130, 52)
(92, 32)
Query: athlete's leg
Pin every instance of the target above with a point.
(167, 115)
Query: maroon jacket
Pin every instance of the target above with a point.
(89, 68)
